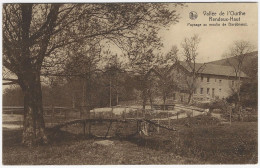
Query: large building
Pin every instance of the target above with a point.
(212, 81)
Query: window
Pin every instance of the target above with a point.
(207, 90)
(220, 81)
(201, 90)
(232, 83)
(219, 90)
(201, 78)
(207, 79)
(195, 91)
(213, 92)
(215, 80)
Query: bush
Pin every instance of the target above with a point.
(236, 144)
(219, 104)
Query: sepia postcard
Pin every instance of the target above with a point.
(136, 83)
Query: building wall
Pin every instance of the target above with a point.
(212, 86)
(215, 87)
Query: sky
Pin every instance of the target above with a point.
(216, 40)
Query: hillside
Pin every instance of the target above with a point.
(249, 66)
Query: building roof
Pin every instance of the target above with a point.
(212, 69)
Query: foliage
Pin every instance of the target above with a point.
(168, 83)
(248, 93)
(207, 141)
(216, 104)
(236, 55)
(13, 97)
(190, 53)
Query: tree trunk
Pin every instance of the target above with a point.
(144, 99)
(110, 94)
(33, 125)
(151, 100)
(164, 101)
(144, 102)
(150, 94)
(88, 97)
(189, 98)
(73, 99)
(239, 99)
(117, 98)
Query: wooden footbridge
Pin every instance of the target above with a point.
(141, 121)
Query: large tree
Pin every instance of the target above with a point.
(168, 83)
(235, 57)
(35, 37)
(114, 70)
(81, 68)
(143, 59)
(190, 52)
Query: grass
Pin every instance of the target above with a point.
(69, 149)
(205, 139)
(199, 140)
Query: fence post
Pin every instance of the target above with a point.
(112, 110)
(111, 115)
(137, 126)
(158, 128)
(94, 113)
(66, 118)
(52, 115)
(21, 122)
(84, 128)
(89, 128)
(81, 112)
(230, 114)
(169, 120)
(124, 113)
